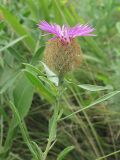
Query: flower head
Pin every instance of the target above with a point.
(65, 33)
(63, 52)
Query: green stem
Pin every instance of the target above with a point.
(54, 120)
(50, 139)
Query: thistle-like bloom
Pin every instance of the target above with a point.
(63, 52)
(65, 33)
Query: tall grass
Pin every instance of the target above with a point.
(38, 123)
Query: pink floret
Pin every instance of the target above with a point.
(66, 33)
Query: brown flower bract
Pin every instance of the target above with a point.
(62, 58)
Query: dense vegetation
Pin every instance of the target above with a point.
(88, 126)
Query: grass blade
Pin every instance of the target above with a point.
(62, 154)
(18, 28)
(12, 43)
(111, 154)
(99, 100)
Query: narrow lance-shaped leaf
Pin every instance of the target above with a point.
(24, 131)
(94, 87)
(99, 100)
(64, 153)
(23, 94)
(12, 43)
(90, 87)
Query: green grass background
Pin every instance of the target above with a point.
(90, 103)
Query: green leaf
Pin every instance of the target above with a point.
(9, 82)
(44, 6)
(94, 87)
(62, 154)
(43, 90)
(90, 87)
(99, 100)
(37, 150)
(33, 69)
(1, 62)
(12, 43)
(23, 94)
(104, 98)
(106, 156)
(52, 128)
(17, 54)
(118, 26)
(94, 59)
(38, 73)
(32, 7)
(19, 29)
(24, 131)
(49, 83)
(51, 75)
(38, 55)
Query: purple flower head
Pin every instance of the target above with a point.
(65, 33)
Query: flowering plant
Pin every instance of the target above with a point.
(63, 53)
